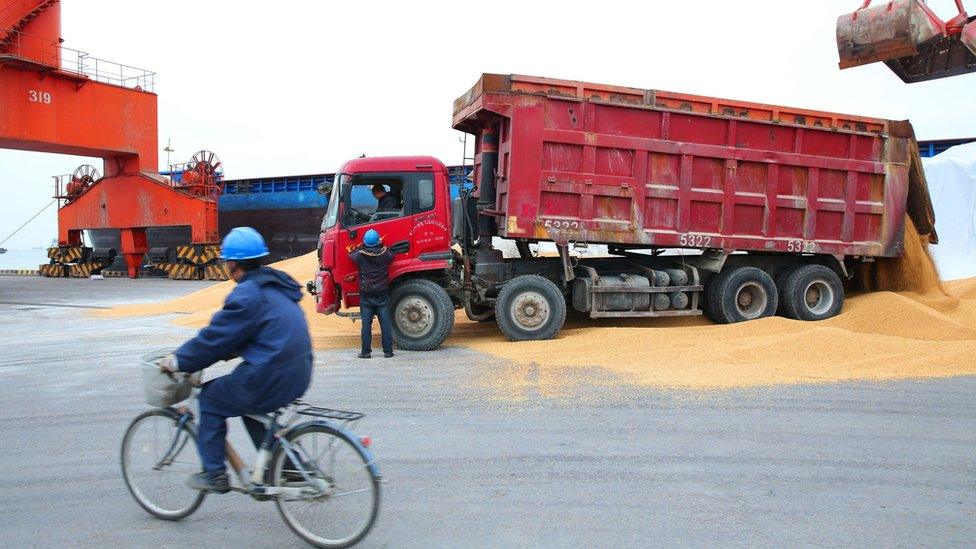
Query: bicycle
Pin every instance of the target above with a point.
(303, 466)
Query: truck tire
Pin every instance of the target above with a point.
(740, 293)
(530, 307)
(812, 292)
(781, 276)
(423, 315)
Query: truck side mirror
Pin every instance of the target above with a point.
(324, 188)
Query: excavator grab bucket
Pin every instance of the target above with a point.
(891, 30)
(908, 37)
(968, 36)
(941, 57)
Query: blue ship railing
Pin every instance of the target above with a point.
(938, 146)
(300, 183)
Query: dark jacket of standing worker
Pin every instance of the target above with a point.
(373, 263)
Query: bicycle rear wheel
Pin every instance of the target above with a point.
(157, 456)
(345, 512)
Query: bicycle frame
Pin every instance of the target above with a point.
(275, 435)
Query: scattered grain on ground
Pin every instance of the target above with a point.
(924, 329)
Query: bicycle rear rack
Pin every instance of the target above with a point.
(340, 415)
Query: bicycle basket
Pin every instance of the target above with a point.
(160, 389)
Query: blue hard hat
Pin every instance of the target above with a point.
(242, 243)
(371, 238)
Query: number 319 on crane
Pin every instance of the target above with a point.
(38, 96)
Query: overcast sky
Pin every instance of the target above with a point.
(302, 88)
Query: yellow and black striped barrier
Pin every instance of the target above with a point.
(85, 269)
(19, 272)
(179, 271)
(65, 254)
(195, 262)
(198, 254)
(53, 270)
(216, 272)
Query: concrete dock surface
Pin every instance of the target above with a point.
(603, 464)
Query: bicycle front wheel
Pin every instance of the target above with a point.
(158, 454)
(343, 513)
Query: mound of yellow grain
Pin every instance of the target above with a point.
(923, 329)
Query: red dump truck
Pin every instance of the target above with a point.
(774, 207)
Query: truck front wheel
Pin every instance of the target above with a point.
(530, 307)
(740, 293)
(423, 315)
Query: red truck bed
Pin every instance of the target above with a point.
(646, 168)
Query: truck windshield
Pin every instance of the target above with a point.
(332, 209)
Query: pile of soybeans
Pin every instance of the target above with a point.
(911, 326)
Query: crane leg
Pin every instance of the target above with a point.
(133, 248)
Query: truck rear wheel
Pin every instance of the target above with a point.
(530, 307)
(781, 276)
(423, 315)
(812, 292)
(741, 293)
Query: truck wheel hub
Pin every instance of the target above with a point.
(414, 316)
(530, 310)
(819, 297)
(751, 300)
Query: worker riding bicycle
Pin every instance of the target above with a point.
(262, 323)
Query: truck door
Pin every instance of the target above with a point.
(390, 203)
(430, 237)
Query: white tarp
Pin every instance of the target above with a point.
(952, 184)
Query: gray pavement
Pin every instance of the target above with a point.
(604, 464)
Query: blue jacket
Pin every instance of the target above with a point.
(262, 323)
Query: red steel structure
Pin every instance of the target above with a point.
(57, 100)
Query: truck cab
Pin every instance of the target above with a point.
(414, 225)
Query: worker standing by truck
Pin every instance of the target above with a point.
(373, 260)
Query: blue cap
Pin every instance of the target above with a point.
(242, 243)
(371, 238)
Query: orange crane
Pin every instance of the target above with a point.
(58, 100)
